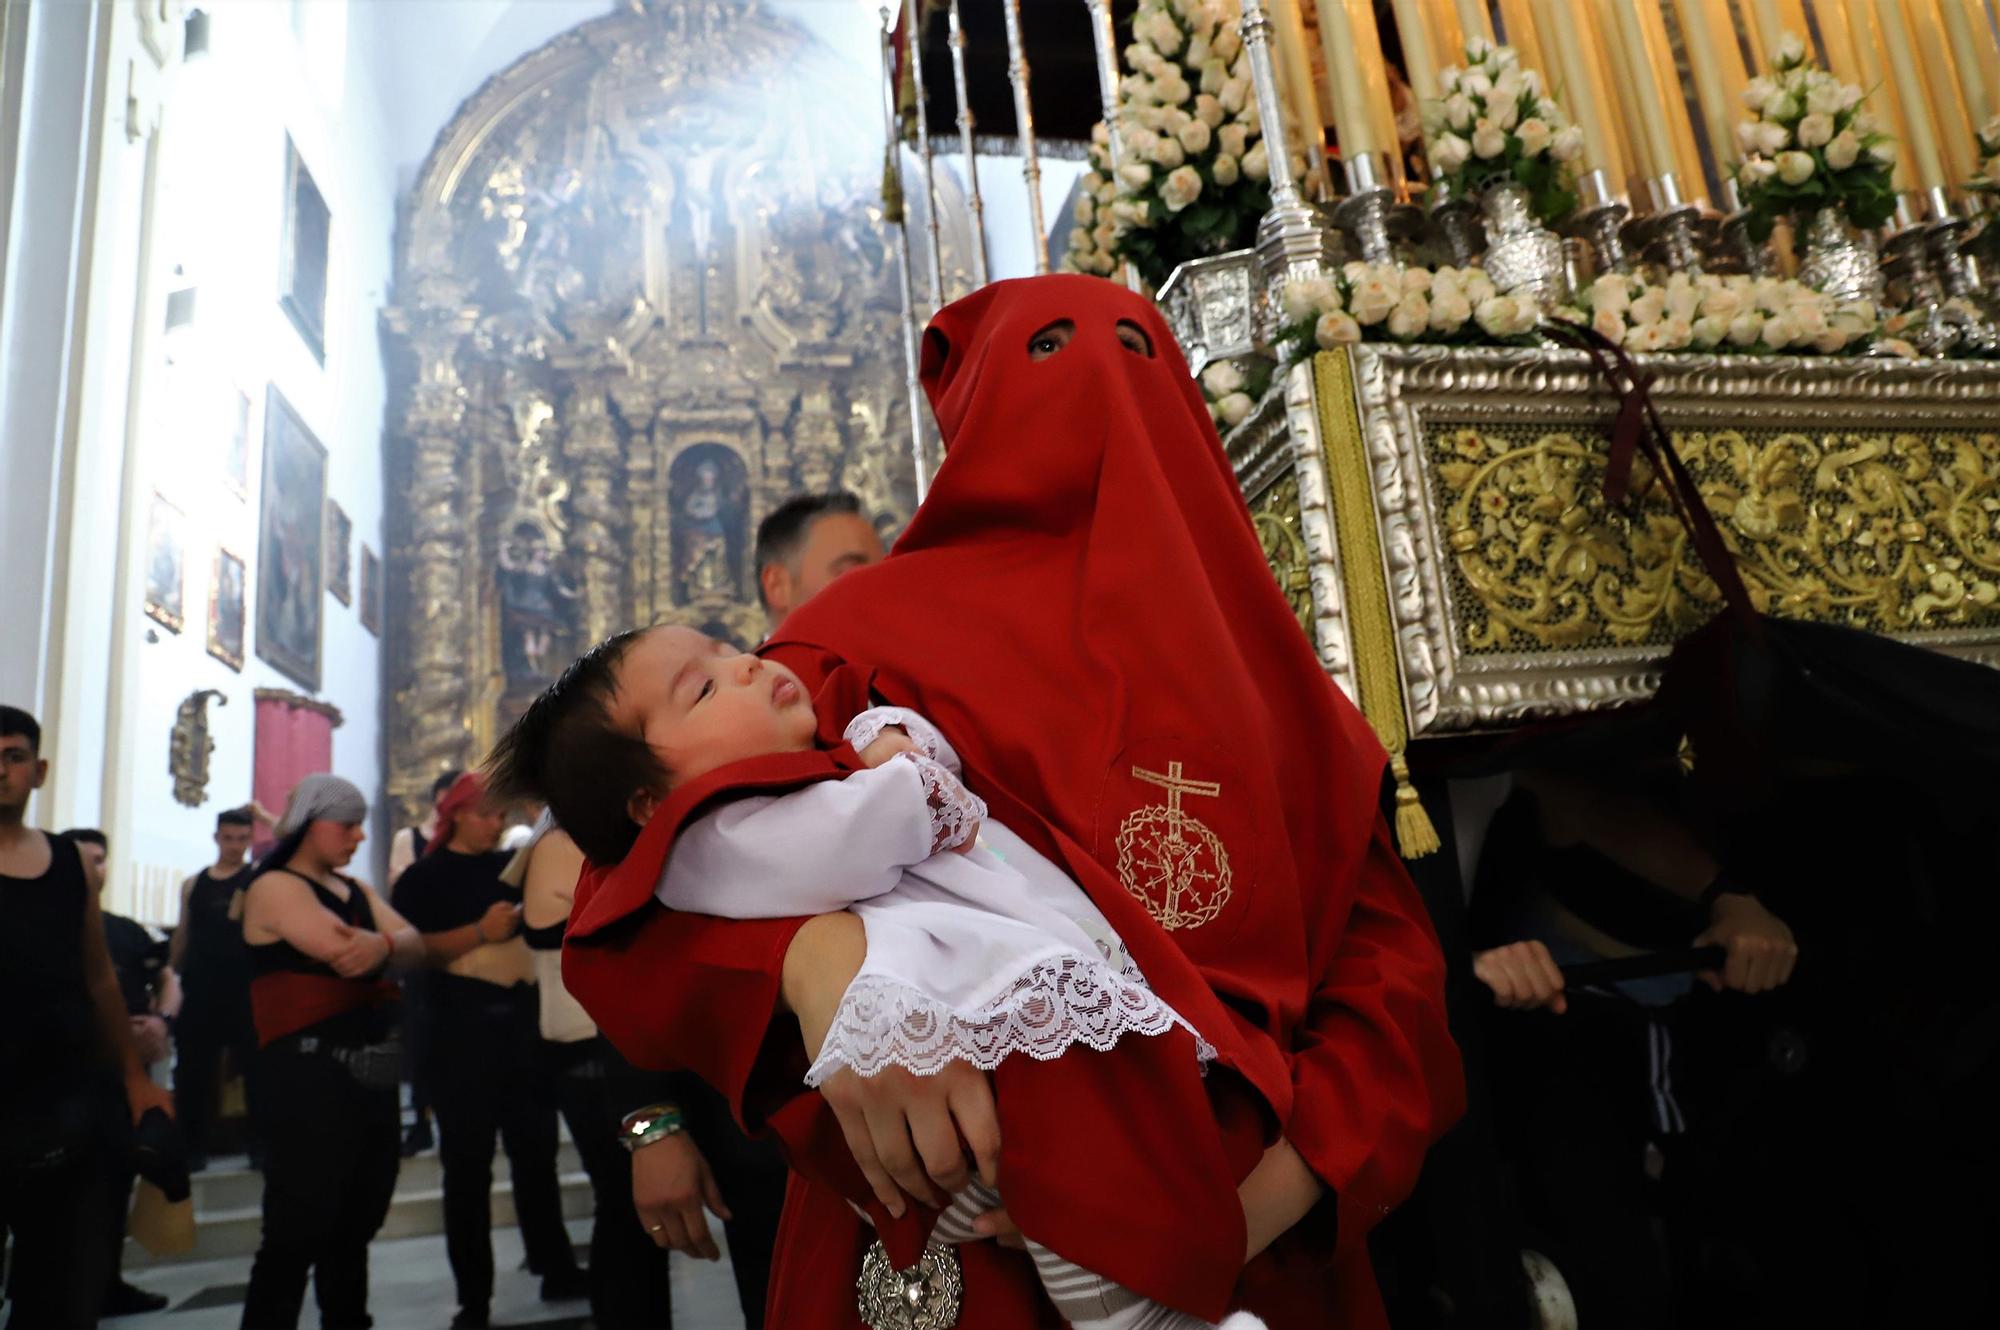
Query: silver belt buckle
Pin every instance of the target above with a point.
(923, 1297)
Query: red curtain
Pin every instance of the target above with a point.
(294, 740)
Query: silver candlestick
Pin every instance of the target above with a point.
(1670, 225)
(913, 41)
(1104, 39)
(1599, 216)
(1292, 240)
(1365, 212)
(965, 135)
(1455, 218)
(1024, 123)
(1738, 248)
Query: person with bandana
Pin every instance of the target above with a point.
(319, 944)
(480, 1039)
(1082, 604)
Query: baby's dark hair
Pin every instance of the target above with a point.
(565, 752)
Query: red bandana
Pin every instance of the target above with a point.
(463, 793)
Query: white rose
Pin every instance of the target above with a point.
(1649, 308)
(1842, 152)
(1507, 87)
(1446, 281)
(1449, 311)
(1504, 115)
(1227, 43)
(1079, 237)
(1411, 317)
(1824, 98)
(1234, 94)
(1478, 50)
(1107, 193)
(1458, 110)
(1335, 329)
(1830, 340)
(1567, 145)
(1612, 291)
(1531, 82)
(1991, 132)
(1104, 236)
(1175, 90)
(1448, 79)
(1479, 288)
(1181, 187)
(1488, 140)
(1214, 76)
(1722, 303)
(1506, 316)
(1757, 171)
(1222, 378)
(1450, 152)
(1683, 301)
(1411, 280)
(1780, 332)
(1234, 139)
(1257, 162)
(1747, 137)
(1781, 105)
(1883, 151)
(1791, 50)
(1135, 175)
(1535, 137)
(1758, 91)
(1311, 298)
(1234, 409)
(1198, 53)
(1085, 209)
(1709, 330)
(1209, 111)
(1373, 298)
(1808, 317)
(1477, 85)
(1137, 90)
(1225, 169)
(1195, 136)
(1610, 325)
(1850, 96)
(1167, 152)
(1676, 334)
(1772, 139)
(1795, 168)
(1128, 211)
(1816, 130)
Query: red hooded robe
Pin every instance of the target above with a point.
(1083, 607)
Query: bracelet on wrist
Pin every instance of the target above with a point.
(655, 1122)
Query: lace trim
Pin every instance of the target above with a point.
(955, 811)
(1060, 1002)
(867, 727)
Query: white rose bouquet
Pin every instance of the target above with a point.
(1386, 303)
(1989, 158)
(1808, 145)
(1193, 179)
(1497, 122)
(1233, 388)
(1723, 315)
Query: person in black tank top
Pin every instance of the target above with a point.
(208, 953)
(318, 945)
(65, 1047)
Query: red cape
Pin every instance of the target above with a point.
(1082, 605)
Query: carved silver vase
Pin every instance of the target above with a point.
(1840, 260)
(1522, 255)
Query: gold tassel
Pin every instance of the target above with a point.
(1415, 836)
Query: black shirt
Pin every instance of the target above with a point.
(49, 1045)
(448, 890)
(215, 955)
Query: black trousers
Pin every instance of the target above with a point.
(751, 1175)
(60, 1262)
(629, 1285)
(330, 1160)
(488, 1083)
(210, 1025)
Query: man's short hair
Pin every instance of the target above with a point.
(87, 836)
(782, 535)
(565, 752)
(13, 720)
(446, 779)
(234, 817)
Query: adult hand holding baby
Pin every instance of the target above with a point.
(904, 1130)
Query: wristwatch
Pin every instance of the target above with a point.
(654, 1122)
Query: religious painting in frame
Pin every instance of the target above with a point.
(339, 549)
(226, 610)
(302, 253)
(291, 535)
(236, 443)
(371, 591)
(166, 565)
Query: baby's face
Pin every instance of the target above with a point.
(702, 704)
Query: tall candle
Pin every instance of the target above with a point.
(1474, 20)
(1874, 82)
(1906, 85)
(1574, 77)
(1770, 28)
(1717, 65)
(1951, 101)
(1837, 34)
(1644, 100)
(1675, 100)
(1523, 37)
(1445, 32)
(1294, 63)
(1360, 79)
(1420, 55)
(1986, 48)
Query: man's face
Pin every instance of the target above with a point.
(702, 704)
(835, 543)
(478, 828)
(22, 770)
(232, 843)
(93, 856)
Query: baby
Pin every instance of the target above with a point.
(978, 947)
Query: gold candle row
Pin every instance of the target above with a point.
(1716, 62)
(1360, 77)
(1584, 86)
(1297, 90)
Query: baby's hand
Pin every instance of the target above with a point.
(893, 740)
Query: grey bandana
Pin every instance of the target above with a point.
(322, 797)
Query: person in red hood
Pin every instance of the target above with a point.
(1083, 605)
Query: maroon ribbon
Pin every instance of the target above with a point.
(1637, 428)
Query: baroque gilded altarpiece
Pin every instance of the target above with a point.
(644, 293)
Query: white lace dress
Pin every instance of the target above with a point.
(973, 956)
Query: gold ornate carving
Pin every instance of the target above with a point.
(1276, 516)
(643, 295)
(1176, 867)
(190, 747)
